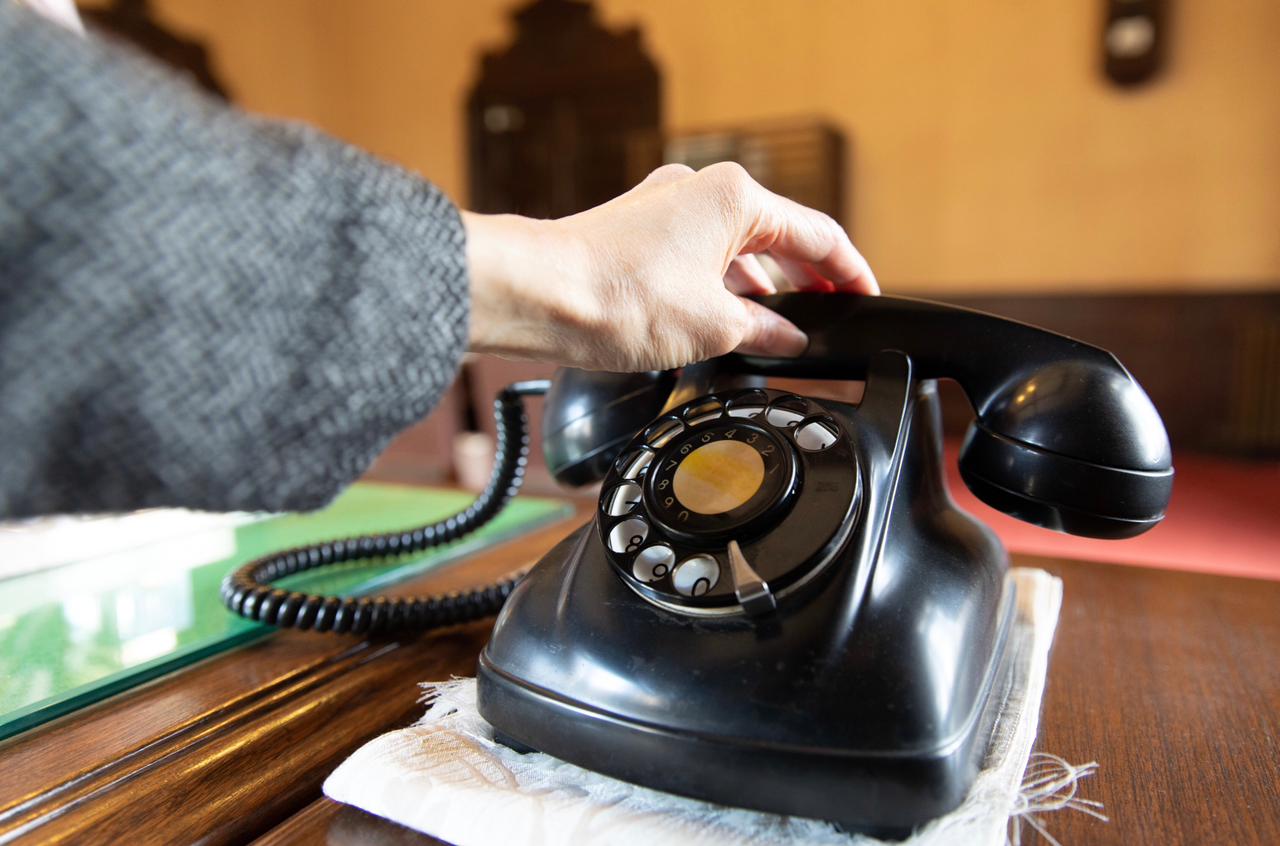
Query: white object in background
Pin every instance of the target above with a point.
(473, 459)
(448, 778)
(175, 534)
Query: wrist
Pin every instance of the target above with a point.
(522, 273)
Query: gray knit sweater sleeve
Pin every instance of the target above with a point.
(198, 308)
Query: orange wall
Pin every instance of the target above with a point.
(988, 152)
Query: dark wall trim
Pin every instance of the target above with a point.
(1209, 361)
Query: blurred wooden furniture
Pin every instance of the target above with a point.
(1210, 362)
(1168, 680)
(564, 118)
(803, 159)
(423, 453)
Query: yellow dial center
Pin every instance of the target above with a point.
(718, 477)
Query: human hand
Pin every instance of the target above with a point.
(653, 279)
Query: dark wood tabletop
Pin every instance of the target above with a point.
(1169, 680)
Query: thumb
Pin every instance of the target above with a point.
(769, 333)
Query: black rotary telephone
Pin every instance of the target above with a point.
(777, 605)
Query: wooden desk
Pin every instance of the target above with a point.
(1171, 681)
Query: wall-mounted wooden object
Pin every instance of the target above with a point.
(1134, 35)
(565, 118)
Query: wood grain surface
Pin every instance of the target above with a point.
(1169, 680)
(224, 750)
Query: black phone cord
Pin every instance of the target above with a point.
(248, 591)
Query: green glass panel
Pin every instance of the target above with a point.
(78, 632)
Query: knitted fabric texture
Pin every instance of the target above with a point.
(199, 308)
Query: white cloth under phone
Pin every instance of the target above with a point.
(447, 777)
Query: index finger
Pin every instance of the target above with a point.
(786, 228)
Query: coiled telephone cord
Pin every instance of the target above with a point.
(248, 591)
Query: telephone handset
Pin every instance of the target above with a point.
(777, 605)
(1064, 437)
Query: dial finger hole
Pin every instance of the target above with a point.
(815, 435)
(634, 464)
(663, 431)
(787, 412)
(704, 412)
(653, 563)
(696, 576)
(623, 499)
(629, 535)
(748, 404)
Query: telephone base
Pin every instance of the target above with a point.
(865, 698)
(512, 744)
(884, 792)
(777, 605)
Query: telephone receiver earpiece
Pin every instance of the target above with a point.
(589, 416)
(1064, 437)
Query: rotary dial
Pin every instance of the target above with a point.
(725, 503)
